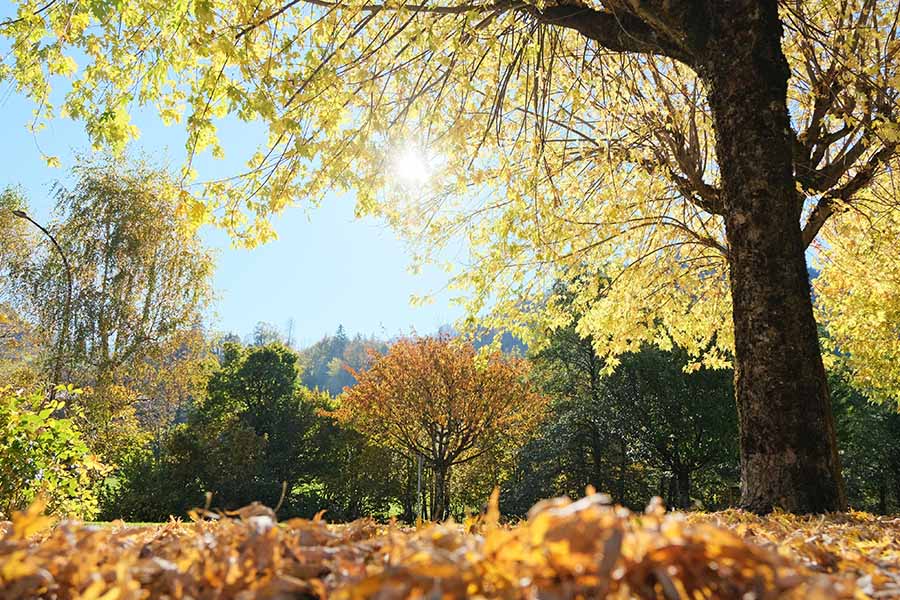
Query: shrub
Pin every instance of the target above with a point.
(42, 453)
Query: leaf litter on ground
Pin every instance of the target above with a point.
(565, 549)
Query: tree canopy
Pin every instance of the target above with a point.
(515, 110)
(139, 272)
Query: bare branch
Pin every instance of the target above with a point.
(619, 32)
(829, 203)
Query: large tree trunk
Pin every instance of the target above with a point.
(788, 447)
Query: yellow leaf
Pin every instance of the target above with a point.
(30, 521)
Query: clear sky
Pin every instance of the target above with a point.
(326, 268)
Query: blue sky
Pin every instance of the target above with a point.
(326, 268)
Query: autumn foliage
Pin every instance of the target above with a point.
(437, 398)
(583, 549)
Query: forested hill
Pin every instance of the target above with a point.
(324, 365)
(509, 344)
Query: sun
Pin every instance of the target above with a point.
(410, 166)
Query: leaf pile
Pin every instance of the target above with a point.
(582, 549)
(860, 544)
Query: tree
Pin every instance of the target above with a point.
(251, 432)
(265, 334)
(140, 271)
(648, 428)
(141, 280)
(693, 149)
(868, 434)
(683, 425)
(42, 454)
(436, 398)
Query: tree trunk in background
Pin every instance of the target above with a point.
(439, 502)
(411, 494)
(447, 478)
(897, 490)
(623, 468)
(664, 488)
(597, 451)
(682, 489)
(788, 447)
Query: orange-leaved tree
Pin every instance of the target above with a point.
(438, 398)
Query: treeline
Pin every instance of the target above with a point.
(255, 431)
(652, 427)
(268, 427)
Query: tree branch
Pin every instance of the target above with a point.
(38, 11)
(829, 203)
(619, 32)
(704, 195)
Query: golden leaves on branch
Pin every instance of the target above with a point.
(582, 549)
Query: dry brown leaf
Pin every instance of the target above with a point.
(581, 549)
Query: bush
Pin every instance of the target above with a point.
(151, 485)
(42, 453)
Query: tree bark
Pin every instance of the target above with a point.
(788, 448)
